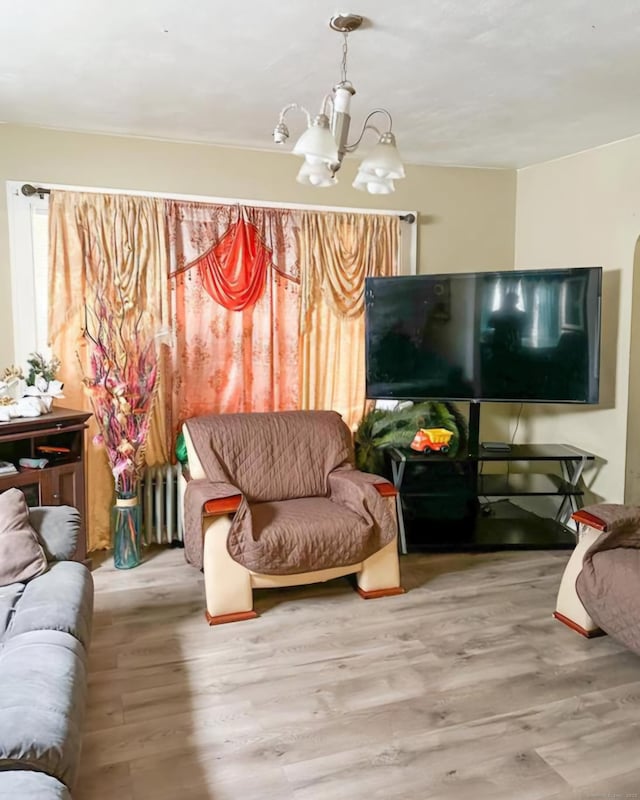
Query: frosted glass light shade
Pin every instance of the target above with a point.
(368, 182)
(381, 187)
(317, 142)
(384, 160)
(316, 174)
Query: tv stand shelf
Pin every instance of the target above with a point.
(523, 484)
(460, 480)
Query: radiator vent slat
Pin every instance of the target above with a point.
(161, 507)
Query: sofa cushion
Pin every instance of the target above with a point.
(303, 535)
(21, 556)
(27, 785)
(59, 600)
(42, 700)
(9, 598)
(58, 528)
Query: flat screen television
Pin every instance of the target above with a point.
(510, 336)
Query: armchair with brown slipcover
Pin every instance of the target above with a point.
(599, 588)
(273, 499)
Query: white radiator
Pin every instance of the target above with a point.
(161, 506)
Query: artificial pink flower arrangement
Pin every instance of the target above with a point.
(121, 384)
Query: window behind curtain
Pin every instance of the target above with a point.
(29, 247)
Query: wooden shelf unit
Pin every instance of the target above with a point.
(62, 481)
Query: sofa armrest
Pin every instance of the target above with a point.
(225, 498)
(608, 517)
(360, 478)
(583, 517)
(385, 489)
(368, 495)
(204, 499)
(58, 528)
(222, 505)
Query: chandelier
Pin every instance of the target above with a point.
(324, 143)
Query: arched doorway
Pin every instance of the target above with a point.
(632, 468)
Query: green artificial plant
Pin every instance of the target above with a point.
(40, 365)
(380, 429)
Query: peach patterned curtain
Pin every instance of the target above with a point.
(253, 358)
(337, 252)
(228, 360)
(96, 242)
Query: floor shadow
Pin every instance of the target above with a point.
(416, 570)
(144, 733)
(420, 569)
(266, 599)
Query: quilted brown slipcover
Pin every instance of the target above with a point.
(608, 586)
(304, 506)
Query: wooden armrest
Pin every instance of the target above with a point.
(385, 489)
(585, 518)
(228, 505)
(222, 505)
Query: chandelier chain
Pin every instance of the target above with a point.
(345, 49)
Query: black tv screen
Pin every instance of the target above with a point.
(512, 336)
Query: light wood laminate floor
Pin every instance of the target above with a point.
(463, 688)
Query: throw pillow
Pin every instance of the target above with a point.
(21, 556)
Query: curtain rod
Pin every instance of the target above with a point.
(28, 190)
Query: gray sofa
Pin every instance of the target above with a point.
(45, 625)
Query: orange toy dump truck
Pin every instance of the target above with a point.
(431, 439)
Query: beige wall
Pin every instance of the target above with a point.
(581, 211)
(578, 211)
(466, 215)
(632, 471)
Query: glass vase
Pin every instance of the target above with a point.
(126, 531)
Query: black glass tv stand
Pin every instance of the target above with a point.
(452, 503)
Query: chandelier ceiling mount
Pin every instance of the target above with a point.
(325, 141)
(346, 23)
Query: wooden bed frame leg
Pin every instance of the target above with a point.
(222, 619)
(592, 634)
(375, 593)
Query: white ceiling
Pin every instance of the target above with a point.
(501, 83)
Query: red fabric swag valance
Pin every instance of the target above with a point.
(234, 270)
